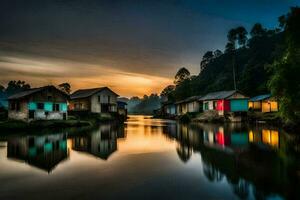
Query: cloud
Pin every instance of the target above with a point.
(44, 71)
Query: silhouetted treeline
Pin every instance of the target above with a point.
(144, 105)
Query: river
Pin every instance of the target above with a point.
(151, 159)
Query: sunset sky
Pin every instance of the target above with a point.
(133, 46)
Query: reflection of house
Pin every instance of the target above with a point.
(100, 143)
(122, 108)
(44, 152)
(238, 138)
(95, 100)
(225, 101)
(265, 136)
(263, 103)
(38, 103)
(189, 105)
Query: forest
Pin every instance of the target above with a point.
(254, 62)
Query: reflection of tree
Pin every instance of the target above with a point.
(184, 152)
(212, 173)
(241, 189)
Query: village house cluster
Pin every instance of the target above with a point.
(49, 103)
(220, 103)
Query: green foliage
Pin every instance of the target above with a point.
(182, 75)
(237, 37)
(186, 118)
(65, 87)
(146, 105)
(16, 86)
(258, 30)
(285, 82)
(250, 62)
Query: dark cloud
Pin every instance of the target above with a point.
(147, 37)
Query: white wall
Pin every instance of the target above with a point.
(95, 105)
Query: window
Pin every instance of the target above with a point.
(206, 106)
(49, 98)
(40, 106)
(215, 105)
(56, 107)
(108, 97)
(99, 98)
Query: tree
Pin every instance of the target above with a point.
(236, 37)
(167, 91)
(285, 82)
(182, 75)
(217, 53)
(207, 57)
(2, 88)
(257, 30)
(241, 36)
(65, 87)
(282, 21)
(16, 86)
(230, 47)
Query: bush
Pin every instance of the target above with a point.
(185, 118)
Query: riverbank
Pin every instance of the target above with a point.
(74, 121)
(272, 119)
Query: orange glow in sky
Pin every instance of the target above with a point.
(79, 75)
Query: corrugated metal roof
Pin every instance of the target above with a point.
(189, 99)
(260, 97)
(83, 93)
(218, 95)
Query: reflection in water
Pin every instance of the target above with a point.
(44, 152)
(203, 160)
(100, 143)
(249, 158)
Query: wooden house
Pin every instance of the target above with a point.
(44, 103)
(95, 100)
(189, 105)
(225, 101)
(263, 103)
(168, 108)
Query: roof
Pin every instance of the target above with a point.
(189, 99)
(30, 92)
(218, 95)
(83, 93)
(260, 97)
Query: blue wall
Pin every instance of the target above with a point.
(48, 106)
(237, 105)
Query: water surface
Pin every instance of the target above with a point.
(151, 159)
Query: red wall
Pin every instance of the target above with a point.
(223, 105)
